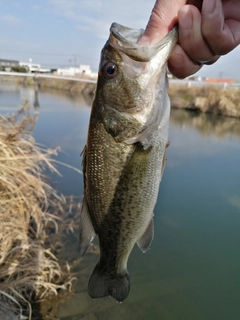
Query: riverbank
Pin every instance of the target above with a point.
(219, 100)
(33, 221)
(207, 99)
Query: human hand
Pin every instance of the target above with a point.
(207, 30)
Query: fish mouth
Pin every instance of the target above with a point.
(125, 40)
(126, 35)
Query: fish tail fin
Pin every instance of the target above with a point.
(102, 285)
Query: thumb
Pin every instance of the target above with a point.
(163, 18)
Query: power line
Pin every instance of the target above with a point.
(49, 54)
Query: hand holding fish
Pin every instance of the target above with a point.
(207, 30)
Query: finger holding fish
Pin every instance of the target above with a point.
(191, 38)
(221, 25)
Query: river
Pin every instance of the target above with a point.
(192, 270)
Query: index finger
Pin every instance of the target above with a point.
(163, 18)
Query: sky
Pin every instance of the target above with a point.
(64, 33)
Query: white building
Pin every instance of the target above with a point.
(68, 72)
(84, 68)
(33, 67)
(75, 71)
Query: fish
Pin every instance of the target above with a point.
(124, 156)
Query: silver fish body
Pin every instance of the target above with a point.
(124, 156)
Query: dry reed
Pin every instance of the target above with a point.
(28, 205)
(209, 99)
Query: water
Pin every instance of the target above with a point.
(192, 269)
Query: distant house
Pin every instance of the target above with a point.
(75, 71)
(30, 67)
(33, 67)
(84, 68)
(67, 72)
(8, 64)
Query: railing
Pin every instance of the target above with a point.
(43, 75)
(191, 83)
(187, 82)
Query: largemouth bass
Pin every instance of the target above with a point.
(124, 156)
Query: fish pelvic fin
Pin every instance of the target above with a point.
(145, 240)
(103, 285)
(87, 232)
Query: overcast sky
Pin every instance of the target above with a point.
(61, 33)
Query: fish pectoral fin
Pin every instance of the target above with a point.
(87, 232)
(164, 162)
(146, 239)
(83, 155)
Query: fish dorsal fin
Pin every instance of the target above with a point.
(146, 239)
(87, 232)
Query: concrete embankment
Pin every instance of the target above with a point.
(205, 98)
(86, 86)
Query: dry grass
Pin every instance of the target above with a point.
(209, 99)
(28, 206)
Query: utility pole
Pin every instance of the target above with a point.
(75, 60)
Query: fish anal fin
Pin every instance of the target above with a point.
(87, 232)
(146, 239)
(102, 285)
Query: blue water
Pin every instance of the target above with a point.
(192, 270)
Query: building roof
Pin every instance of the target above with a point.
(9, 61)
(220, 80)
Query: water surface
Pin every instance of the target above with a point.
(192, 269)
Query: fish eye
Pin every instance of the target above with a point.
(110, 70)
